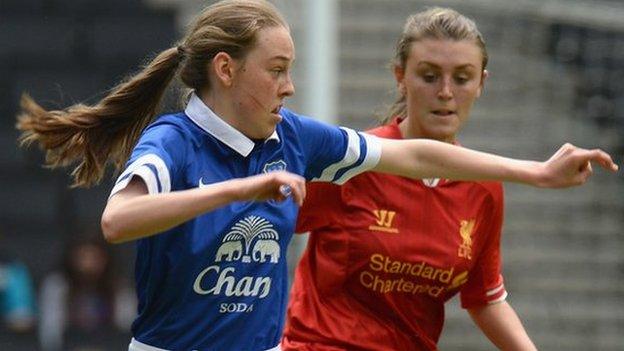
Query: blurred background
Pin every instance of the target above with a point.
(556, 75)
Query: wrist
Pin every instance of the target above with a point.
(235, 190)
(529, 172)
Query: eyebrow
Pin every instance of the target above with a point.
(281, 58)
(427, 63)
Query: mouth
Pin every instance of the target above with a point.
(276, 110)
(443, 112)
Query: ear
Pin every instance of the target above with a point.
(399, 75)
(484, 77)
(223, 67)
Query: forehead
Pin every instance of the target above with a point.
(274, 43)
(445, 53)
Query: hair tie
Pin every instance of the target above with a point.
(181, 51)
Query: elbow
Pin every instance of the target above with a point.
(110, 228)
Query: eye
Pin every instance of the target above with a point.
(461, 79)
(278, 71)
(429, 77)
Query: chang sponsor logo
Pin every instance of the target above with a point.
(251, 240)
(237, 243)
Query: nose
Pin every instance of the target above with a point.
(288, 88)
(446, 90)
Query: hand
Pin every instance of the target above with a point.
(571, 166)
(272, 186)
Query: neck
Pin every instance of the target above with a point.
(410, 130)
(218, 103)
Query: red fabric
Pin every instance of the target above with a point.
(385, 254)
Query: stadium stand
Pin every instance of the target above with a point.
(555, 76)
(62, 52)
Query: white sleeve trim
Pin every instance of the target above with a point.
(141, 169)
(495, 291)
(500, 299)
(352, 154)
(373, 154)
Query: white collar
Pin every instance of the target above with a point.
(207, 120)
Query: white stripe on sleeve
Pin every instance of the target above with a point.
(500, 299)
(495, 291)
(352, 154)
(140, 168)
(373, 154)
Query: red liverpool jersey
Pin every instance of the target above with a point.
(384, 255)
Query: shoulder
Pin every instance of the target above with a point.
(493, 190)
(171, 122)
(301, 122)
(294, 121)
(173, 127)
(389, 131)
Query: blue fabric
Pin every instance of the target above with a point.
(219, 281)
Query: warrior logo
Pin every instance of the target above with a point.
(383, 221)
(465, 230)
(237, 242)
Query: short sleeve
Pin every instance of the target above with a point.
(336, 154)
(157, 158)
(485, 283)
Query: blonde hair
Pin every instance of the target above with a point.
(434, 23)
(91, 137)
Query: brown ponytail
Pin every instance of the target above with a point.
(91, 137)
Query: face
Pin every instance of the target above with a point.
(262, 81)
(441, 81)
(89, 260)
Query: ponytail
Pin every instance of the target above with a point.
(90, 137)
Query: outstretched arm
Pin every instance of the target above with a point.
(132, 213)
(500, 323)
(421, 158)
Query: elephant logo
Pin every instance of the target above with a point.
(236, 244)
(231, 250)
(264, 248)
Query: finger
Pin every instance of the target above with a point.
(603, 159)
(583, 176)
(298, 190)
(565, 148)
(285, 190)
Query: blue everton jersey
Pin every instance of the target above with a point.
(219, 281)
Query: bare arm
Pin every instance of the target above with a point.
(420, 158)
(500, 323)
(132, 213)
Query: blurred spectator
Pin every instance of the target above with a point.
(17, 307)
(83, 305)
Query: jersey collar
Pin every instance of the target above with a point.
(395, 133)
(210, 122)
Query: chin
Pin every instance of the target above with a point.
(276, 117)
(442, 135)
